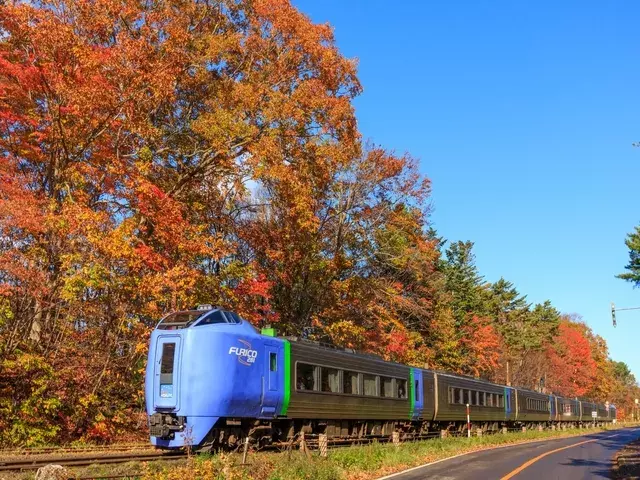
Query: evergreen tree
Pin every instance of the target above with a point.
(464, 282)
(633, 267)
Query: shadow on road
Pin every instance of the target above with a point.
(597, 469)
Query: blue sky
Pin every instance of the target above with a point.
(523, 115)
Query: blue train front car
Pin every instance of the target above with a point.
(209, 372)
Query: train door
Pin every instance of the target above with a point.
(552, 407)
(580, 412)
(166, 381)
(507, 403)
(272, 384)
(429, 395)
(417, 390)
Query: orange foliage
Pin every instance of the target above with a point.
(572, 368)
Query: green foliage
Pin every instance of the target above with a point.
(464, 282)
(28, 407)
(623, 374)
(633, 267)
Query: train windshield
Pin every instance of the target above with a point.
(179, 320)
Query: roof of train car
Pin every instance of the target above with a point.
(335, 348)
(370, 356)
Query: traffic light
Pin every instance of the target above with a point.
(613, 313)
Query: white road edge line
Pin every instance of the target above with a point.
(481, 450)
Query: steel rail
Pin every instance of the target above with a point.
(83, 461)
(5, 452)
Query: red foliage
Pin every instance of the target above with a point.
(572, 369)
(482, 345)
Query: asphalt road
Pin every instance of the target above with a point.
(584, 457)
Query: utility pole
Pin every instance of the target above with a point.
(614, 310)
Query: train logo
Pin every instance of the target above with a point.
(246, 355)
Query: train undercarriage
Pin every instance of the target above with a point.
(230, 433)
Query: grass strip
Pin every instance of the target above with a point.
(350, 463)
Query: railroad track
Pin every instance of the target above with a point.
(34, 463)
(311, 441)
(86, 460)
(8, 452)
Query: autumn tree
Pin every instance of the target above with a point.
(358, 270)
(572, 369)
(130, 134)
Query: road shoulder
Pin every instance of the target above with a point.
(626, 463)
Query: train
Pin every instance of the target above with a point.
(213, 381)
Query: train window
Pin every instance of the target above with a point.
(476, 398)
(417, 391)
(500, 401)
(370, 385)
(401, 387)
(350, 383)
(168, 352)
(386, 387)
(330, 380)
(273, 361)
(166, 369)
(483, 399)
(179, 320)
(233, 317)
(459, 395)
(537, 405)
(214, 317)
(306, 377)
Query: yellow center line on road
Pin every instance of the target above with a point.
(534, 460)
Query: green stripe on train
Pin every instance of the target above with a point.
(287, 378)
(412, 394)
